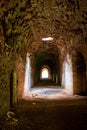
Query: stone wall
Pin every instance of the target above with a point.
(20, 71)
(23, 23)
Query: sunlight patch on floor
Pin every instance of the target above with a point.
(47, 93)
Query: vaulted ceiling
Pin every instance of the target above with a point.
(26, 22)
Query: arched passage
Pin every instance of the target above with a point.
(45, 72)
(47, 55)
(49, 60)
(79, 73)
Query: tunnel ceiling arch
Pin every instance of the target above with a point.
(47, 48)
(41, 47)
(47, 59)
(47, 54)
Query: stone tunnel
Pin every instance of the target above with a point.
(38, 38)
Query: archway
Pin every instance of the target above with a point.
(45, 72)
(79, 73)
(50, 63)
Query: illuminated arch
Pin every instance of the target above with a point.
(45, 72)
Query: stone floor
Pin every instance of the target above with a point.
(44, 111)
(52, 92)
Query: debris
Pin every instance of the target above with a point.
(10, 118)
(14, 122)
(10, 114)
(34, 103)
(34, 95)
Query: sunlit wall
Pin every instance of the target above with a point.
(67, 74)
(28, 80)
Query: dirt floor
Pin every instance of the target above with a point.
(43, 114)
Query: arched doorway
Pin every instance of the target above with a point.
(79, 73)
(47, 70)
(45, 73)
(46, 61)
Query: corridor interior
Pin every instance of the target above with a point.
(43, 64)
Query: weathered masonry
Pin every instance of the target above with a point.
(42, 42)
